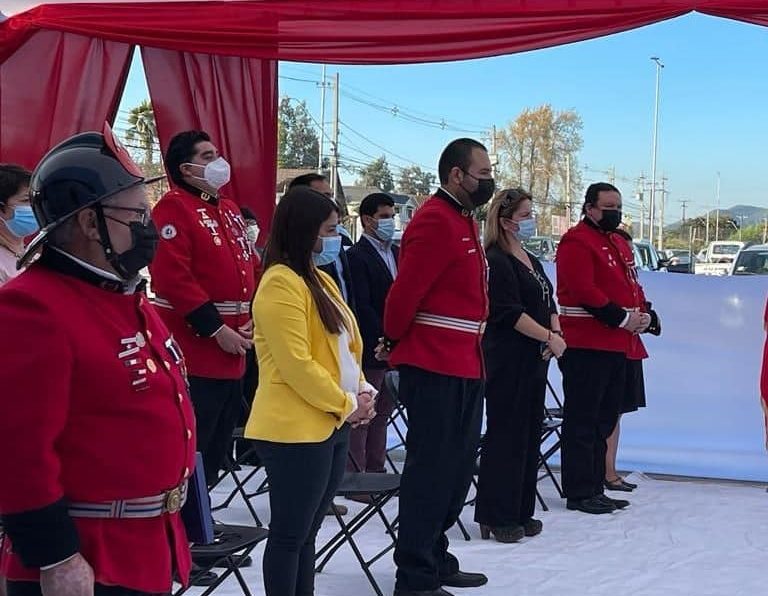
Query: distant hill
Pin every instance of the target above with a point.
(752, 215)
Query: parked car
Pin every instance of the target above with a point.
(752, 260)
(649, 258)
(724, 251)
(541, 246)
(678, 261)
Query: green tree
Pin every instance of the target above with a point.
(378, 174)
(298, 145)
(142, 131)
(415, 181)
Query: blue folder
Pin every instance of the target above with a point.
(196, 513)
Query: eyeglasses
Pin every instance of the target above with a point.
(144, 213)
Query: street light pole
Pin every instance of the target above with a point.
(652, 205)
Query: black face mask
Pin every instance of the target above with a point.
(144, 239)
(610, 220)
(484, 191)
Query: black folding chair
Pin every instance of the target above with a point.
(398, 419)
(235, 465)
(380, 488)
(550, 444)
(234, 544)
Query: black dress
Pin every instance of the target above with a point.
(515, 390)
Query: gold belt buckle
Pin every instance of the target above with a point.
(173, 500)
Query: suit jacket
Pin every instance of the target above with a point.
(299, 398)
(371, 280)
(331, 270)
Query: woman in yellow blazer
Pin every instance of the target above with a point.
(311, 388)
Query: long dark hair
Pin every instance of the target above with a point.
(295, 228)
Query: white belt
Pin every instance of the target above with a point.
(579, 312)
(170, 501)
(228, 307)
(463, 325)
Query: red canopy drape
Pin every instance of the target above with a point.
(54, 86)
(235, 101)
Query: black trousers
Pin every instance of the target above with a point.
(33, 589)
(594, 384)
(217, 405)
(303, 479)
(506, 493)
(444, 420)
(250, 384)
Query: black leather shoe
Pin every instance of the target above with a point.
(200, 578)
(618, 485)
(533, 527)
(618, 503)
(463, 579)
(594, 505)
(435, 592)
(239, 560)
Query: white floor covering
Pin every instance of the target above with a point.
(678, 538)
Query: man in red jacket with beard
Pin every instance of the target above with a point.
(204, 279)
(602, 311)
(96, 426)
(433, 323)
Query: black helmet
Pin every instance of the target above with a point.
(78, 173)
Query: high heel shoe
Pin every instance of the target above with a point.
(505, 534)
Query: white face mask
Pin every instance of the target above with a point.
(216, 173)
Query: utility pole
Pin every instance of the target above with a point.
(765, 229)
(654, 153)
(494, 155)
(660, 243)
(335, 144)
(684, 203)
(706, 238)
(612, 174)
(717, 217)
(322, 123)
(641, 199)
(568, 213)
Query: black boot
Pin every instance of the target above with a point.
(533, 527)
(505, 534)
(463, 579)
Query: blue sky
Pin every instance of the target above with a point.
(714, 113)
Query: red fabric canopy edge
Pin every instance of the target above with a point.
(354, 31)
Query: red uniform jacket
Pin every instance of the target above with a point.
(438, 304)
(203, 277)
(93, 408)
(596, 282)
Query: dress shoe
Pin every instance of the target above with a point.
(464, 579)
(618, 485)
(200, 578)
(618, 503)
(435, 592)
(365, 499)
(533, 527)
(505, 534)
(594, 505)
(334, 509)
(631, 485)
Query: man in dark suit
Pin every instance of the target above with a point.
(373, 264)
(339, 269)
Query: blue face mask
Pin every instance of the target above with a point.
(527, 229)
(330, 250)
(385, 230)
(23, 222)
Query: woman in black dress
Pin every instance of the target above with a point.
(523, 332)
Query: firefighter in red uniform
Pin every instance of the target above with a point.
(204, 279)
(433, 324)
(602, 311)
(96, 426)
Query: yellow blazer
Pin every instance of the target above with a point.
(299, 398)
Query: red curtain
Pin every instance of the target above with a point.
(749, 11)
(56, 85)
(348, 31)
(232, 99)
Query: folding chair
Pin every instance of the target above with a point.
(234, 544)
(398, 419)
(235, 465)
(550, 433)
(381, 488)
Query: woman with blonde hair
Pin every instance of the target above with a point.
(522, 334)
(311, 389)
